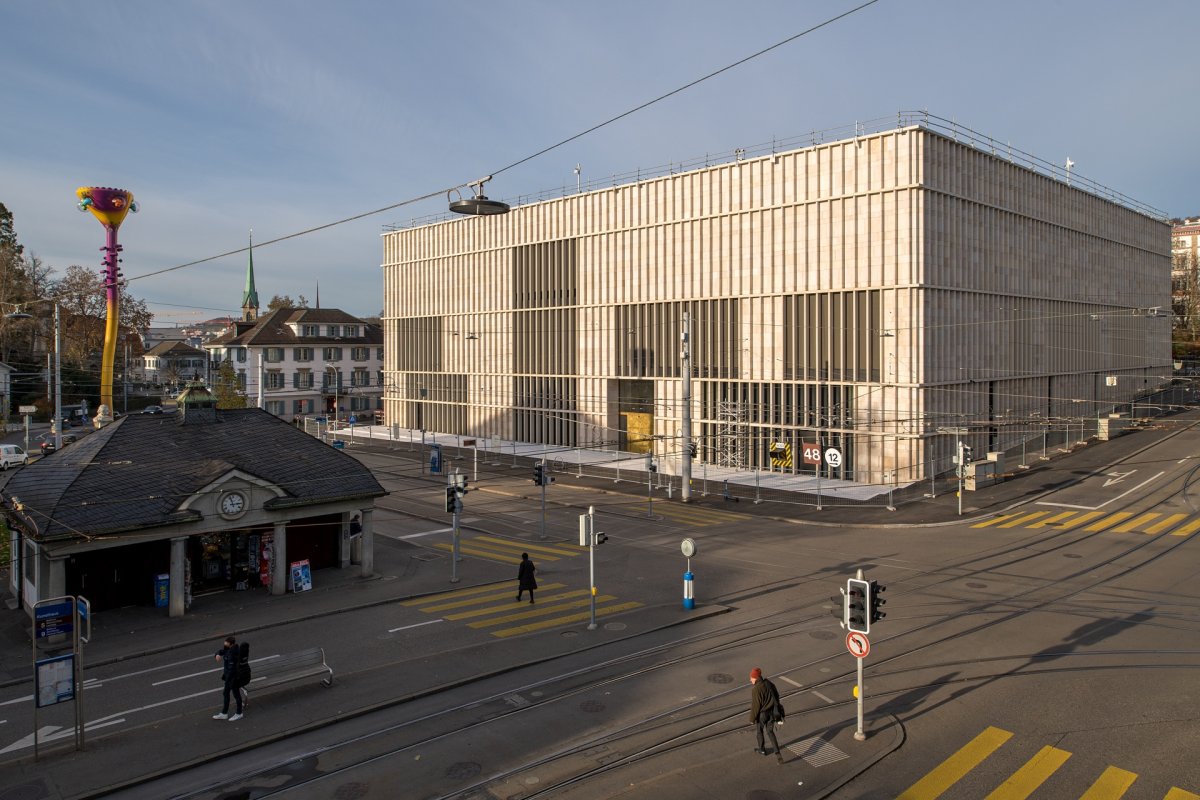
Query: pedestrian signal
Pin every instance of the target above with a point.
(451, 500)
(874, 592)
(857, 602)
(539, 474)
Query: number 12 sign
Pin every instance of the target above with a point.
(812, 453)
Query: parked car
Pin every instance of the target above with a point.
(12, 455)
(152, 410)
(47, 445)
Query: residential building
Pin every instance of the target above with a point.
(298, 362)
(173, 362)
(885, 291)
(1185, 277)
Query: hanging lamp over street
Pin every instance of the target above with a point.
(479, 204)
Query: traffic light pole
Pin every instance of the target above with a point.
(859, 735)
(591, 523)
(543, 481)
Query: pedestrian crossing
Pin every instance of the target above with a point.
(696, 516)
(1111, 784)
(1149, 522)
(508, 551)
(492, 609)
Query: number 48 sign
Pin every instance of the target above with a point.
(812, 453)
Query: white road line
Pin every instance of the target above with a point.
(419, 624)
(426, 533)
(208, 671)
(823, 697)
(1106, 502)
(179, 699)
(792, 682)
(24, 699)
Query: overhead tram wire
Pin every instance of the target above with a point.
(543, 151)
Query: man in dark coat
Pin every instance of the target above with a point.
(525, 580)
(228, 656)
(763, 699)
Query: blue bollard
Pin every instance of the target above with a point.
(689, 600)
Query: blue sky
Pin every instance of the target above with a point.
(282, 116)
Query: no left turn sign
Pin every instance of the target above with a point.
(857, 644)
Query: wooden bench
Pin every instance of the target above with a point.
(291, 667)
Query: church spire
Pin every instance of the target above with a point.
(250, 295)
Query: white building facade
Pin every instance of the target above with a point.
(871, 293)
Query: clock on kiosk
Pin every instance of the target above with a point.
(233, 504)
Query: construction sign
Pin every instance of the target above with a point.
(781, 455)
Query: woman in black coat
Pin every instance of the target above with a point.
(525, 580)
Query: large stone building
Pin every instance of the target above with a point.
(871, 293)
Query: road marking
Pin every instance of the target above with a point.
(532, 548)
(481, 612)
(1033, 774)
(1111, 785)
(1117, 477)
(209, 671)
(792, 682)
(545, 611)
(1186, 529)
(950, 771)
(24, 699)
(475, 551)
(1134, 524)
(1179, 794)
(417, 625)
(1082, 518)
(1056, 518)
(497, 594)
(823, 697)
(550, 623)
(426, 533)
(993, 521)
(1159, 527)
(1023, 519)
(433, 598)
(1109, 521)
(1106, 502)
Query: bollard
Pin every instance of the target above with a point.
(689, 599)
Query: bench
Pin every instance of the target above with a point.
(291, 667)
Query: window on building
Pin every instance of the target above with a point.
(330, 378)
(273, 355)
(303, 406)
(331, 353)
(275, 407)
(360, 377)
(241, 354)
(360, 353)
(379, 353)
(310, 330)
(242, 379)
(302, 379)
(334, 330)
(273, 379)
(350, 330)
(302, 354)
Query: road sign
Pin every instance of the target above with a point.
(688, 547)
(435, 458)
(27, 409)
(833, 457)
(353, 419)
(812, 453)
(857, 644)
(54, 619)
(468, 442)
(781, 454)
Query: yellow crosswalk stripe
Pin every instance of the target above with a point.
(1048, 520)
(1033, 774)
(501, 552)
(475, 551)
(1184, 530)
(1111, 785)
(1075, 522)
(580, 617)
(508, 605)
(1134, 524)
(495, 596)
(526, 547)
(1109, 521)
(434, 598)
(698, 516)
(1165, 523)
(949, 772)
(1179, 794)
(544, 611)
(987, 523)
(1023, 519)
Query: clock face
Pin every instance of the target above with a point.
(233, 503)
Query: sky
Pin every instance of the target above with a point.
(223, 116)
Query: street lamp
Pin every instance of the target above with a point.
(57, 427)
(335, 390)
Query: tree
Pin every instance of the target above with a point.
(284, 301)
(228, 389)
(81, 297)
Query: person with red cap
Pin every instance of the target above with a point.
(765, 709)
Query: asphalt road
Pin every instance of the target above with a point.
(1050, 650)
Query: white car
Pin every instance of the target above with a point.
(12, 455)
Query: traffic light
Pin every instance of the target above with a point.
(692, 450)
(451, 500)
(968, 455)
(875, 590)
(601, 537)
(539, 474)
(857, 601)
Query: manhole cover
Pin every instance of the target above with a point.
(569, 634)
(720, 677)
(350, 791)
(614, 626)
(977, 585)
(462, 770)
(591, 706)
(822, 634)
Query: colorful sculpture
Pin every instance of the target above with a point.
(110, 206)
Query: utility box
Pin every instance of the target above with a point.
(980, 474)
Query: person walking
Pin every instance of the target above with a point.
(228, 656)
(525, 579)
(243, 673)
(764, 698)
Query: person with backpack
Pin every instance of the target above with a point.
(228, 656)
(765, 711)
(242, 673)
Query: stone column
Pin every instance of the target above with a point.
(178, 554)
(344, 543)
(367, 543)
(279, 567)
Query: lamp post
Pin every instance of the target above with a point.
(57, 426)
